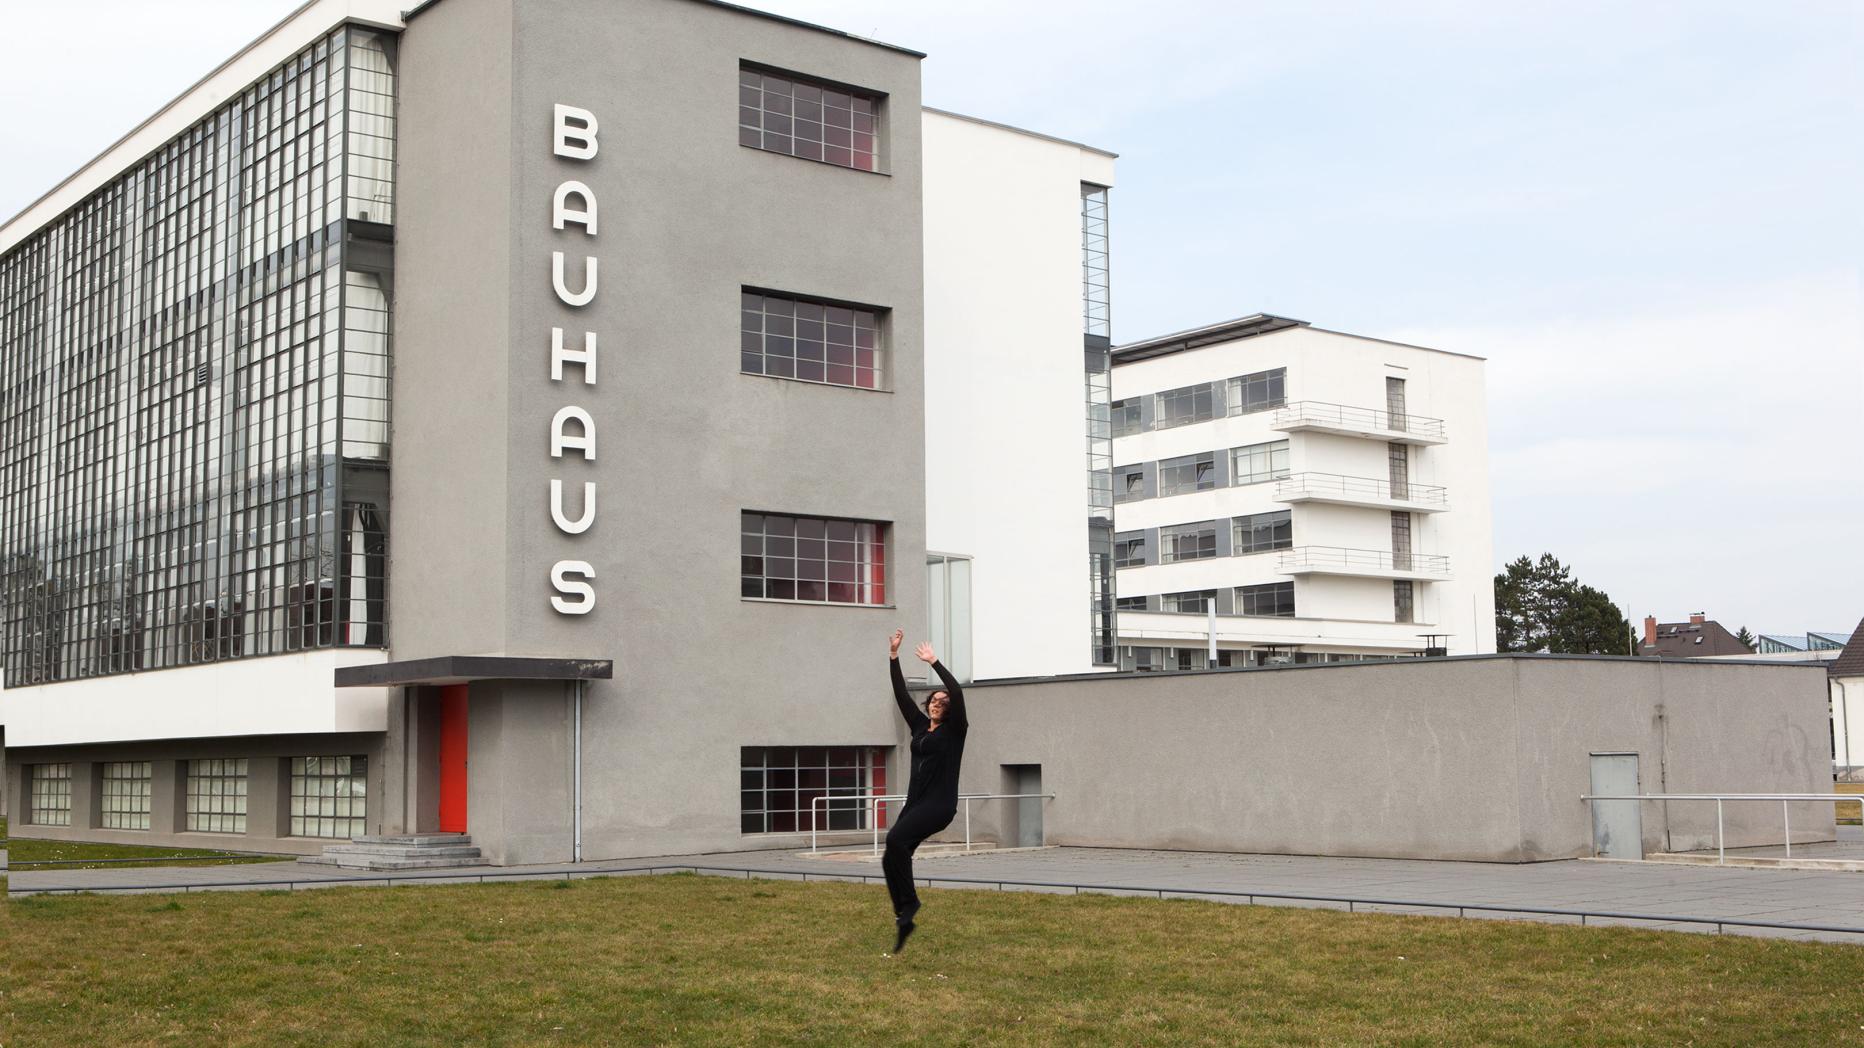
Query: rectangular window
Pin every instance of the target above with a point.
(1142, 660)
(1188, 542)
(1132, 603)
(1228, 657)
(1403, 606)
(1190, 659)
(1259, 462)
(329, 796)
(125, 801)
(810, 341)
(813, 559)
(49, 802)
(780, 787)
(808, 119)
(1129, 483)
(217, 796)
(1401, 541)
(1189, 601)
(1188, 473)
(1129, 549)
(1398, 467)
(1258, 392)
(1183, 407)
(1261, 532)
(1273, 600)
(1126, 417)
(948, 611)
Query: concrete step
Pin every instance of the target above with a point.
(417, 840)
(404, 851)
(363, 862)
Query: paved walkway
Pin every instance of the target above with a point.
(1787, 896)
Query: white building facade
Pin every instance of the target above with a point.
(1290, 494)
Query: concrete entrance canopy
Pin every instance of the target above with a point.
(465, 669)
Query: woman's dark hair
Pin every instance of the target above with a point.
(926, 706)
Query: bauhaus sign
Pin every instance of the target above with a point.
(572, 429)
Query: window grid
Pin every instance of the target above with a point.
(1198, 601)
(1404, 607)
(49, 800)
(809, 340)
(1140, 659)
(1261, 532)
(1184, 407)
(1256, 463)
(808, 119)
(1188, 542)
(1129, 483)
(217, 796)
(780, 785)
(1127, 417)
(1274, 600)
(1129, 549)
(1187, 473)
(126, 793)
(329, 797)
(1096, 311)
(812, 559)
(180, 409)
(1257, 392)
(1132, 603)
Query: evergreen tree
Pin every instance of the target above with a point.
(1539, 607)
(1746, 638)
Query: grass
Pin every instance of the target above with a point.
(28, 850)
(1845, 818)
(702, 960)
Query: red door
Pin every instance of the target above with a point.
(453, 758)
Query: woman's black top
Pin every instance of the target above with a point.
(936, 754)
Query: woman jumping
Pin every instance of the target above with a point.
(932, 793)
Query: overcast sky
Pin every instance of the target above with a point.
(1648, 216)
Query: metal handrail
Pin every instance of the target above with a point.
(1369, 559)
(1347, 416)
(876, 800)
(455, 876)
(1298, 484)
(1721, 850)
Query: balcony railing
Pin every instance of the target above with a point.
(1356, 489)
(1306, 413)
(1340, 561)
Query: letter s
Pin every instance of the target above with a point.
(564, 579)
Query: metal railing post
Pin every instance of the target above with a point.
(1786, 822)
(967, 825)
(1721, 839)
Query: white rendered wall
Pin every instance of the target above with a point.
(274, 695)
(1332, 613)
(1006, 422)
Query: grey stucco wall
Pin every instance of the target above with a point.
(685, 442)
(1480, 758)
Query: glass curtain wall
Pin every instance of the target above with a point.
(1098, 353)
(194, 388)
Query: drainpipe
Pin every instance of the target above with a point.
(576, 689)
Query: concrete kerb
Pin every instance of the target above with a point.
(1350, 904)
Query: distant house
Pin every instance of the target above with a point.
(1698, 638)
(1846, 674)
(1792, 643)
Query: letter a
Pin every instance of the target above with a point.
(584, 442)
(575, 133)
(561, 212)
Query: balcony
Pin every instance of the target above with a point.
(1345, 420)
(1364, 563)
(1361, 491)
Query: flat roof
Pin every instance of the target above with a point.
(1240, 328)
(1022, 131)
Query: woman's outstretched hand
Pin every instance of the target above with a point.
(894, 643)
(925, 653)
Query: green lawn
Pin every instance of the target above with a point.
(26, 849)
(704, 960)
(1846, 813)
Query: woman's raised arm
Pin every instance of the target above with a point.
(915, 719)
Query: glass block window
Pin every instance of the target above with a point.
(1191, 600)
(1261, 532)
(329, 796)
(1126, 417)
(780, 786)
(808, 340)
(217, 796)
(813, 559)
(1188, 542)
(1129, 549)
(808, 119)
(1129, 483)
(125, 801)
(1187, 473)
(1258, 392)
(1182, 407)
(194, 387)
(1275, 600)
(1259, 462)
(49, 797)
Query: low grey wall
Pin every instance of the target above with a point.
(1476, 757)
